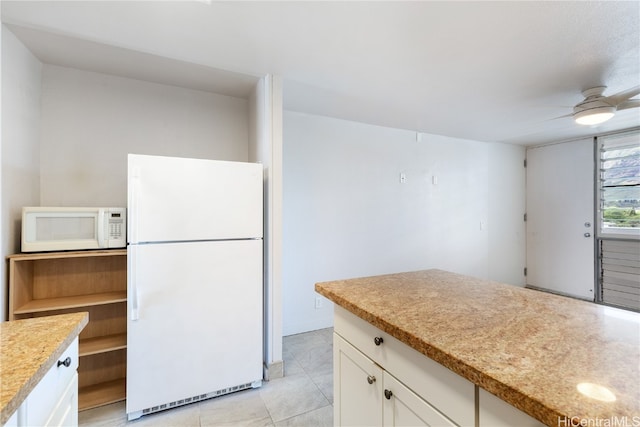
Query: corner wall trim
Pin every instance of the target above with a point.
(273, 370)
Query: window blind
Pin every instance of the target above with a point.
(619, 218)
(620, 273)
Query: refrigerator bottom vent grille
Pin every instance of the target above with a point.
(197, 398)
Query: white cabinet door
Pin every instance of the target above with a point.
(54, 400)
(12, 421)
(402, 407)
(55, 392)
(66, 411)
(560, 245)
(357, 385)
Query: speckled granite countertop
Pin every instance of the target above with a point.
(530, 348)
(28, 348)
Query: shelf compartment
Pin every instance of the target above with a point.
(62, 303)
(103, 344)
(102, 394)
(44, 284)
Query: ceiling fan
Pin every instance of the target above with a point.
(597, 108)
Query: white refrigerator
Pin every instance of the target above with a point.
(194, 279)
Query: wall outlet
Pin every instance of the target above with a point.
(318, 302)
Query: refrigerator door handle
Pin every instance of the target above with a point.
(133, 288)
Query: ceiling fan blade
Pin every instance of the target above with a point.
(620, 97)
(630, 103)
(561, 117)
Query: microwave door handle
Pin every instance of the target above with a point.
(101, 228)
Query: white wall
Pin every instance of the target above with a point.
(90, 121)
(21, 80)
(346, 213)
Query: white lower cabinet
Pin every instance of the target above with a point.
(358, 395)
(54, 400)
(367, 395)
(495, 412)
(379, 381)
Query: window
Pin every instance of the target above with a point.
(619, 219)
(619, 185)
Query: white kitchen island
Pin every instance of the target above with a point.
(38, 370)
(439, 348)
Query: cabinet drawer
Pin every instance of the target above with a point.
(44, 398)
(362, 336)
(445, 390)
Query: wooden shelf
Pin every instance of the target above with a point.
(43, 284)
(102, 344)
(69, 254)
(102, 394)
(62, 303)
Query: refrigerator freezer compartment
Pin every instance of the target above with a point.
(177, 199)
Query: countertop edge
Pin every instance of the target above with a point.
(14, 403)
(508, 394)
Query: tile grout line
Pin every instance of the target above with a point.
(304, 413)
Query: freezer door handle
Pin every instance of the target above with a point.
(134, 183)
(134, 311)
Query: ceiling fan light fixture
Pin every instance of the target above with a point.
(594, 116)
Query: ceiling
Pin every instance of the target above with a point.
(487, 71)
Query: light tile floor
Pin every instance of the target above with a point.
(303, 397)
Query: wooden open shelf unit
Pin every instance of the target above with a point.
(44, 284)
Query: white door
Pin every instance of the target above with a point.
(194, 320)
(560, 221)
(179, 199)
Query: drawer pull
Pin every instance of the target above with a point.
(66, 362)
(378, 340)
(388, 394)
(371, 379)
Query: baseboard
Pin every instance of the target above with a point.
(550, 291)
(273, 370)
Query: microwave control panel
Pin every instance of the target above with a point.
(117, 227)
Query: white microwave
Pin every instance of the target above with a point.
(64, 229)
